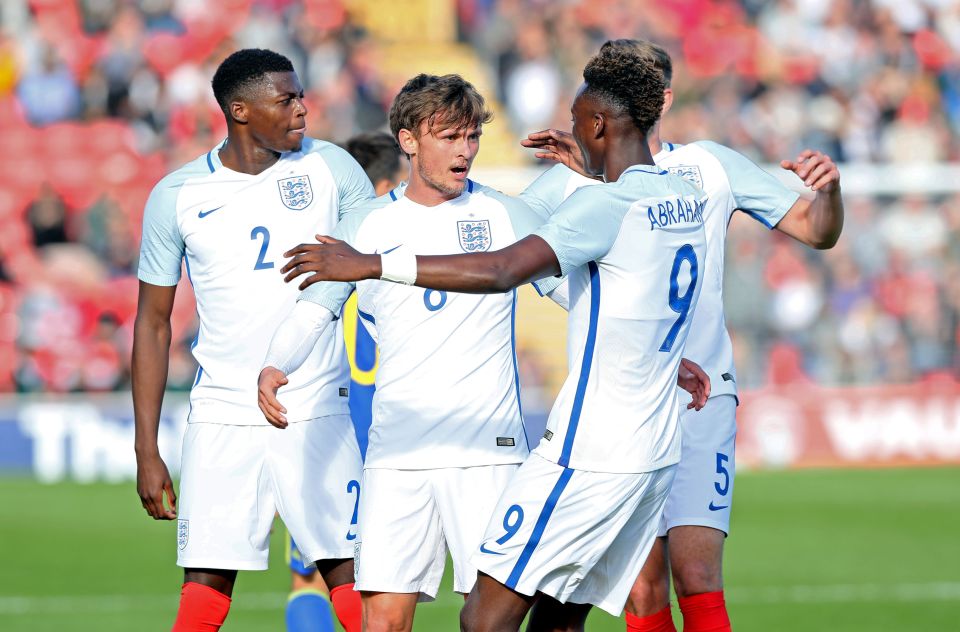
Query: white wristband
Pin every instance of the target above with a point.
(399, 265)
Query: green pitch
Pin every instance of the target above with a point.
(815, 550)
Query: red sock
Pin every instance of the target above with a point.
(660, 622)
(202, 609)
(705, 612)
(346, 603)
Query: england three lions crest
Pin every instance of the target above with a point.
(296, 192)
(474, 235)
(690, 173)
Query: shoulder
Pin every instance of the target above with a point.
(165, 192)
(336, 157)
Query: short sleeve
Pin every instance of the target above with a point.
(545, 194)
(333, 294)
(583, 229)
(353, 185)
(161, 245)
(755, 192)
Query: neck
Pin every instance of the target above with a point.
(423, 193)
(624, 152)
(243, 155)
(653, 139)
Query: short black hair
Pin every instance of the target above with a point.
(623, 78)
(244, 70)
(377, 152)
(659, 55)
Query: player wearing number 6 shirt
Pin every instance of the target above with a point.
(447, 431)
(697, 514)
(228, 215)
(579, 517)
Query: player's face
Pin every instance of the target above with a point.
(276, 114)
(584, 132)
(444, 157)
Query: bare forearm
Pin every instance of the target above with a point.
(826, 219)
(151, 347)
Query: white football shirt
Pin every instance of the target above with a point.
(447, 384)
(632, 251)
(732, 182)
(231, 228)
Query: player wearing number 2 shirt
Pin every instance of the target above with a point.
(229, 219)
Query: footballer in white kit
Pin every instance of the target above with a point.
(703, 487)
(446, 410)
(231, 228)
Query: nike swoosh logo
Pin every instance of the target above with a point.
(713, 507)
(203, 214)
(391, 250)
(484, 549)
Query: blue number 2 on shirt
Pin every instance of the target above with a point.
(261, 264)
(680, 304)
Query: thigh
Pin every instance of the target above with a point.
(703, 488)
(552, 524)
(316, 471)
(608, 583)
(226, 502)
(400, 548)
(465, 498)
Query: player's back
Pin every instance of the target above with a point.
(447, 389)
(232, 228)
(630, 311)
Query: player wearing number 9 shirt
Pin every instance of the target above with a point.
(229, 215)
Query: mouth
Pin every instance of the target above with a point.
(300, 131)
(459, 173)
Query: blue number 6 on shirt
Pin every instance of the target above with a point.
(680, 304)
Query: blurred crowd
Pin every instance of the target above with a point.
(99, 98)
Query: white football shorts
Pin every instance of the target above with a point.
(703, 488)
(411, 518)
(574, 535)
(234, 478)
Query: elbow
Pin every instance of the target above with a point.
(825, 243)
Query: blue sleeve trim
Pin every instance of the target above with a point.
(760, 219)
(539, 528)
(585, 366)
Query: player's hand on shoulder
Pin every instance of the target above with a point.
(153, 481)
(695, 381)
(558, 146)
(268, 384)
(816, 169)
(329, 260)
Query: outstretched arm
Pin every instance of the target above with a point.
(818, 222)
(529, 259)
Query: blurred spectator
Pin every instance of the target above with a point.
(49, 92)
(875, 82)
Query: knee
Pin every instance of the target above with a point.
(472, 620)
(695, 577)
(648, 596)
(385, 620)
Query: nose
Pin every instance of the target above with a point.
(301, 109)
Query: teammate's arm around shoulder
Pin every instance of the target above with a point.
(818, 222)
(151, 344)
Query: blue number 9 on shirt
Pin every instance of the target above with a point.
(680, 304)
